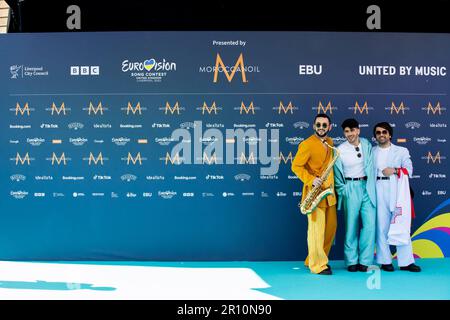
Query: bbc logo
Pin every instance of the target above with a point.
(84, 70)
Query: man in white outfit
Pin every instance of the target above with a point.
(388, 158)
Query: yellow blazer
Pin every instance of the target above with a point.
(310, 162)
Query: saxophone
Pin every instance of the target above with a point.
(316, 194)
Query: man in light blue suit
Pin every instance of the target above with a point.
(354, 176)
(388, 158)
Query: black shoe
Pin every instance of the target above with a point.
(412, 267)
(362, 268)
(387, 267)
(353, 268)
(327, 272)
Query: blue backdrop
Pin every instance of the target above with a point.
(157, 210)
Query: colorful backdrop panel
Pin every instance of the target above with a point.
(178, 145)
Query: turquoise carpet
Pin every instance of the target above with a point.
(291, 280)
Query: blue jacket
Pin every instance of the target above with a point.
(369, 169)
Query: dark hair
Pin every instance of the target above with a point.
(322, 115)
(350, 123)
(384, 125)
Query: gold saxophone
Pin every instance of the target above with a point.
(316, 194)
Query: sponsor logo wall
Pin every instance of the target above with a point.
(182, 150)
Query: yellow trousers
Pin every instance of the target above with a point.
(322, 223)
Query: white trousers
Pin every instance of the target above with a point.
(404, 253)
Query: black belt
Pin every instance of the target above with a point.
(382, 178)
(356, 179)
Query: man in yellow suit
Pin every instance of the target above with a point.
(311, 160)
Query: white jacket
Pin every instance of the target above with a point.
(398, 157)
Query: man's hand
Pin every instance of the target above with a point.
(388, 171)
(317, 182)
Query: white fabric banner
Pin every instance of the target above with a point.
(400, 229)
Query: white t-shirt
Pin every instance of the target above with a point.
(353, 166)
(381, 160)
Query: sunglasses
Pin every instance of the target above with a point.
(324, 125)
(357, 150)
(381, 132)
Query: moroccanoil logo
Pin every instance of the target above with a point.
(324, 109)
(137, 109)
(175, 109)
(176, 159)
(209, 160)
(401, 108)
(207, 109)
(134, 160)
(434, 110)
(94, 110)
(250, 160)
(286, 109)
(22, 110)
(95, 160)
(239, 66)
(285, 159)
(434, 158)
(22, 161)
(362, 109)
(230, 70)
(62, 159)
(54, 109)
(247, 110)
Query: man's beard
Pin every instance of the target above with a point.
(322, 135)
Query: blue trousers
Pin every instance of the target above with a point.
(359, 245)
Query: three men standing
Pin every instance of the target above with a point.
(365, 180)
